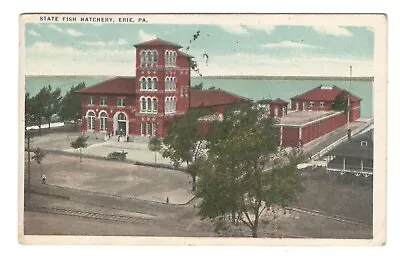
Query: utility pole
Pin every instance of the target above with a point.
(348, 105)
(28, 135)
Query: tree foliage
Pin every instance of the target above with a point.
(340, 103)
(184, 143)
(155, 145)
(80, 143)
(38, 156)
(244, 173)
(71, 106)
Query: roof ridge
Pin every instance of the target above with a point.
(152, 40)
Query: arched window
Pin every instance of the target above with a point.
(149, 84)
(149, 104)
(174, 84)
(142, 58)
(90, 120)
(174, 104)
(155, 83)
(143, 104)
(155, 104)
(155, 57)
(121, 117)
(166, 107)
(149, 58)
(103, 121)
(174, 58)
(167, 83)
(166, 58)
(143, 85)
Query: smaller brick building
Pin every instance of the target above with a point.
(312, 115)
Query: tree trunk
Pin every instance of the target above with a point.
(255, 226)
(254, 232)
(40, 128)
(49, 124)
(41, 171)
(76, 126)
(194, 183)
(80, 155)
(155, 157)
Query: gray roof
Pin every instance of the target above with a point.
(352, 148)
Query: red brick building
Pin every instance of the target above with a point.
(142, 105)
(312, 115)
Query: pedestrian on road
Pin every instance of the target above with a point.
(43, 179)
(167, 200)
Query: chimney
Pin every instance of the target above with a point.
(348, 134)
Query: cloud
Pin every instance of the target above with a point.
(56, 28)
(34, 33)
(234, 28)
(101, 43)
(332, 30)
(45, 58)
(266, 28)
(144, 36)
(297, 65)
(289, 44)
(73, 32)
(69, 31)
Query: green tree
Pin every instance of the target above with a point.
(38, 156)
(52, 106)
(185, 144)
(340, 103)
(28, 110)
(80, 143)
(71, 105)
(197, 87)
(244, 173)
(155, 146)
(39, 107)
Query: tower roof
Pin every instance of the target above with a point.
(157, 42)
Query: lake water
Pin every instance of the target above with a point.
(255, 88)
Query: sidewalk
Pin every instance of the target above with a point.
(137, 151)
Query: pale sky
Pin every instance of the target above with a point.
(267, 50)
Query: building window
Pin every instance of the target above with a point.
(174, 58)
(90, 120)
(311, 104)
(297, 106)
(103, 121)
(142, 58)
(91, 101)
(364, 143)
(155, 105)
(103, 101)
(149, 58)
(174, 104)
(120, 102)
(155, 84)
(174, 83)
(181, 92)
(321, 104)
(149, 104)
(304, 105)
(155, 57)
(143, 105)
(149, 84)
(143, 84)
(154, 129)
(148, 130)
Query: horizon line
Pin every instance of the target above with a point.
(294, 77)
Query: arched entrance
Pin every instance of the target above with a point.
(121, 124)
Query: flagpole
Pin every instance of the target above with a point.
(348, 100)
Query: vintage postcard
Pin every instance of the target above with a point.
(203, 129)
